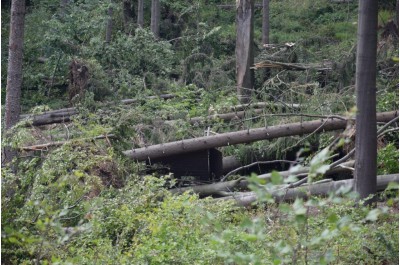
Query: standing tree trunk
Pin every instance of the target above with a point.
(109, 24)
(63, 4)
(127, 9)
(140, 13)
(265, 33)
(366, 147)
(265, 22)
(14, 70)
(244, 49)
(155, 18)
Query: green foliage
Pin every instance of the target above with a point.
(81, 203)
(388, 160)
(311, 231)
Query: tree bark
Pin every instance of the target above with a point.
(366, 145)
(265, 22)
(243, 183)
(155, 18)
(322, 189)
(245, 136)
(128, 15)
(109, 24)
(63, 5)
(64, 115)
(233, 6)
(14, 71)
(140, 20)
(46, 146)
(244, 49)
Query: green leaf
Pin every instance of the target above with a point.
(79, 173)
(373, 215)
(392, 186)
(333, 218)
(250, 237)
(276, 178)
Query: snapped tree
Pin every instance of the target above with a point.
(244, 49)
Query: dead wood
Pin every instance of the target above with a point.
(245, 136)
(320, 189)
(45, 146)
(321, 67)
(229, 163)
(64, 115)
(234, 6)
(240, 112)
(78, 79)
(243, 183)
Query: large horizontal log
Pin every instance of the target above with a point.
(245, 136)
(45, 146)
(230, 163)
(265, 104)
(227, 6)
(49, 117)
(247, 198)
(294, 66)
(239, 112)
(64, 115)
(243, 183)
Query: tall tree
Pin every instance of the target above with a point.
(127, 9)
(244, 49)
(140, 19)
(155, 18)
(63, 5)
(109, 23)
(366, 142)
(265, 22)
(14, 70)
(265, 33)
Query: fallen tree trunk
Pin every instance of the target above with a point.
(239, 112)
(294, 66)
(49, 117)
(64, 115)
(243, 183)
(322, 189)
(234, 6)
(245, 136)
(265, 104)
(230, 163)
(45, 146)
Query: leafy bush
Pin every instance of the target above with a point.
(388, 160)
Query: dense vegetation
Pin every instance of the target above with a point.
(83, 202)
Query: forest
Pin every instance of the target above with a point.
(199, 132)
